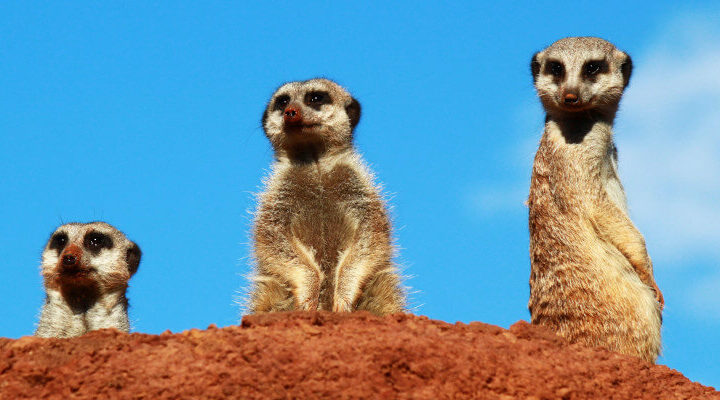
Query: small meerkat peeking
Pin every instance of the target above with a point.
(591, 279)
(86, 269)
(322, 236)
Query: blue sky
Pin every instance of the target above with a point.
(147, 116)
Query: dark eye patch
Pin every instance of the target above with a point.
(281, 102)
(594, 67)
(555, 68)
(316, 99)
(58, 241)
(95, 241)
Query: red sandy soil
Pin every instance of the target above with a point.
(318, 355)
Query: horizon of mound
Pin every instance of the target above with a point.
(327, 355)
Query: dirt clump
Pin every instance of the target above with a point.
(319, 355)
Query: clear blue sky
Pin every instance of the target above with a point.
(147, 116)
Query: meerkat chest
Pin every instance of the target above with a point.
(71, 323)
(319, 207)
(321, 188)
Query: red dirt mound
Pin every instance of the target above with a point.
(308, 355)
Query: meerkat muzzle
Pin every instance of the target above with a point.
(292, 116)
(70, 259)
(570, 98)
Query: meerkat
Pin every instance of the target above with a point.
(591, 277)
(85, 269)
(322, 236)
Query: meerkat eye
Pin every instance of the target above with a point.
(555, 68)
(317, 98)
(96, 241)
(58, 241)
(281, 102)
(594, 67)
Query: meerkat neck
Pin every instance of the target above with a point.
(310, 153)
(306, 153)
(63, 317)
(84, 300)
(80, 299)
(576, 126)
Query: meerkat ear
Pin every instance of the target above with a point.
(626, 69)
(535, 66)
(264, 118)
(353, 112)
(132, 257)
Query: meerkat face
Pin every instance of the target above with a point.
(317, 112)
(580, 73)
(93, 255)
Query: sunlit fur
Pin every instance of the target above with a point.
(94, 298)
(592, 279)
(322, 236)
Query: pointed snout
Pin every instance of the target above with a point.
(292, 115)
(570, 97)
(71, 256)
(69, 260)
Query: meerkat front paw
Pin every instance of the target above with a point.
(653, 285)
(659, 296)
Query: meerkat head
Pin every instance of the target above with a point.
(89, 258)
(310, 117)
(580, 74)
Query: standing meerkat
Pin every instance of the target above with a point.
(591, 280)
(85, 269)
(322, 237)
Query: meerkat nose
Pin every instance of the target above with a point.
(71, 256)
(69, 260)
(570, 98)
(292, 115)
